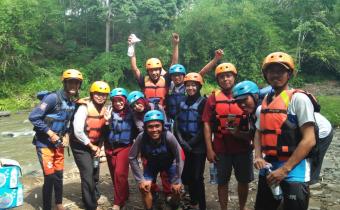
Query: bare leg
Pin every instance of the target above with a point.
(242, 189)
(223, 196)
(147, 199)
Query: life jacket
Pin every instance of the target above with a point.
(95, 121)
(281, 135)
(120, 129)
(59, 120)
(157, 154)
(158, 90)
(189, 117)
(174, 100)
(228, 114)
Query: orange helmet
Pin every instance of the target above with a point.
(100, 87)
(225, 67)
(281, 58)
(193, 76)
(153, 63)
(72, 74)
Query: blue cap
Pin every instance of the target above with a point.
(153, 115)
(118, 92)
(177, 68)
(242, 89)
(134, 96)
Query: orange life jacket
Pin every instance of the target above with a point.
(279, 136)
(94, 121)
(155, 90)
(228, 113)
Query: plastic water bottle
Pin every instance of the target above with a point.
(276, 189)
(213, 173)
(95, 162)
(131, 48)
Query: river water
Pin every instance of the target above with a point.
(16, 143)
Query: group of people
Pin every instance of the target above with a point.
(169, 128)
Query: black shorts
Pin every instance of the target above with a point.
(295, 196)
(242, 164)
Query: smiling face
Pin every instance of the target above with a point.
(177, 78)
(226, 80)
(138, 106)
(154, 129)
(71, 86)
(118, 103)
(247, 104)
(191, 88)
(154, 74)
(277, 75)
(99, 98)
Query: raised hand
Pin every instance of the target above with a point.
(175, 38)
(107, 114)
(219, 54)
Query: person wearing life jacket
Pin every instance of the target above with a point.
(140, 106)
(51, 121)
(248, 96)
(177, 89)
(285, 136)
(189, 132)
(156, 84)
(87, 139)
(161, 152)
(222, 117)
(122, 132)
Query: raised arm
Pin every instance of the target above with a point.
(133, 63)
(175, 43)
(218, 55)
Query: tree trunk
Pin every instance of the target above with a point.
(108, 25)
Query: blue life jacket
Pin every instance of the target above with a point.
(174, 100)
(157, 154)
(189, 117)
(120, 129)
(59, 120)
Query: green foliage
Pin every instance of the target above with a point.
(39, 39)
(330, 108)
(237, 28)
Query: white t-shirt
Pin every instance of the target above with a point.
(324, 125)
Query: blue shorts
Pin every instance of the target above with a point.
(151, 172)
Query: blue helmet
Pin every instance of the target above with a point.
(118, 92)
(153, 115)
(244, 88)
(177, 68)
(134, 96)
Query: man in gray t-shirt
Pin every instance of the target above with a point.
(161, 151)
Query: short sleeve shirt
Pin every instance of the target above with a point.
(228, 144)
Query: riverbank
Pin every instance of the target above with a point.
(327, 93)
(324, 196)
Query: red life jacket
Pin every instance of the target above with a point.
(279, 136)
(155, 90)
(227, 112)
(94, 121)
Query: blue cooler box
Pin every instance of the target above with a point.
(11, 189)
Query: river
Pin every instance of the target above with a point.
(16, 143)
